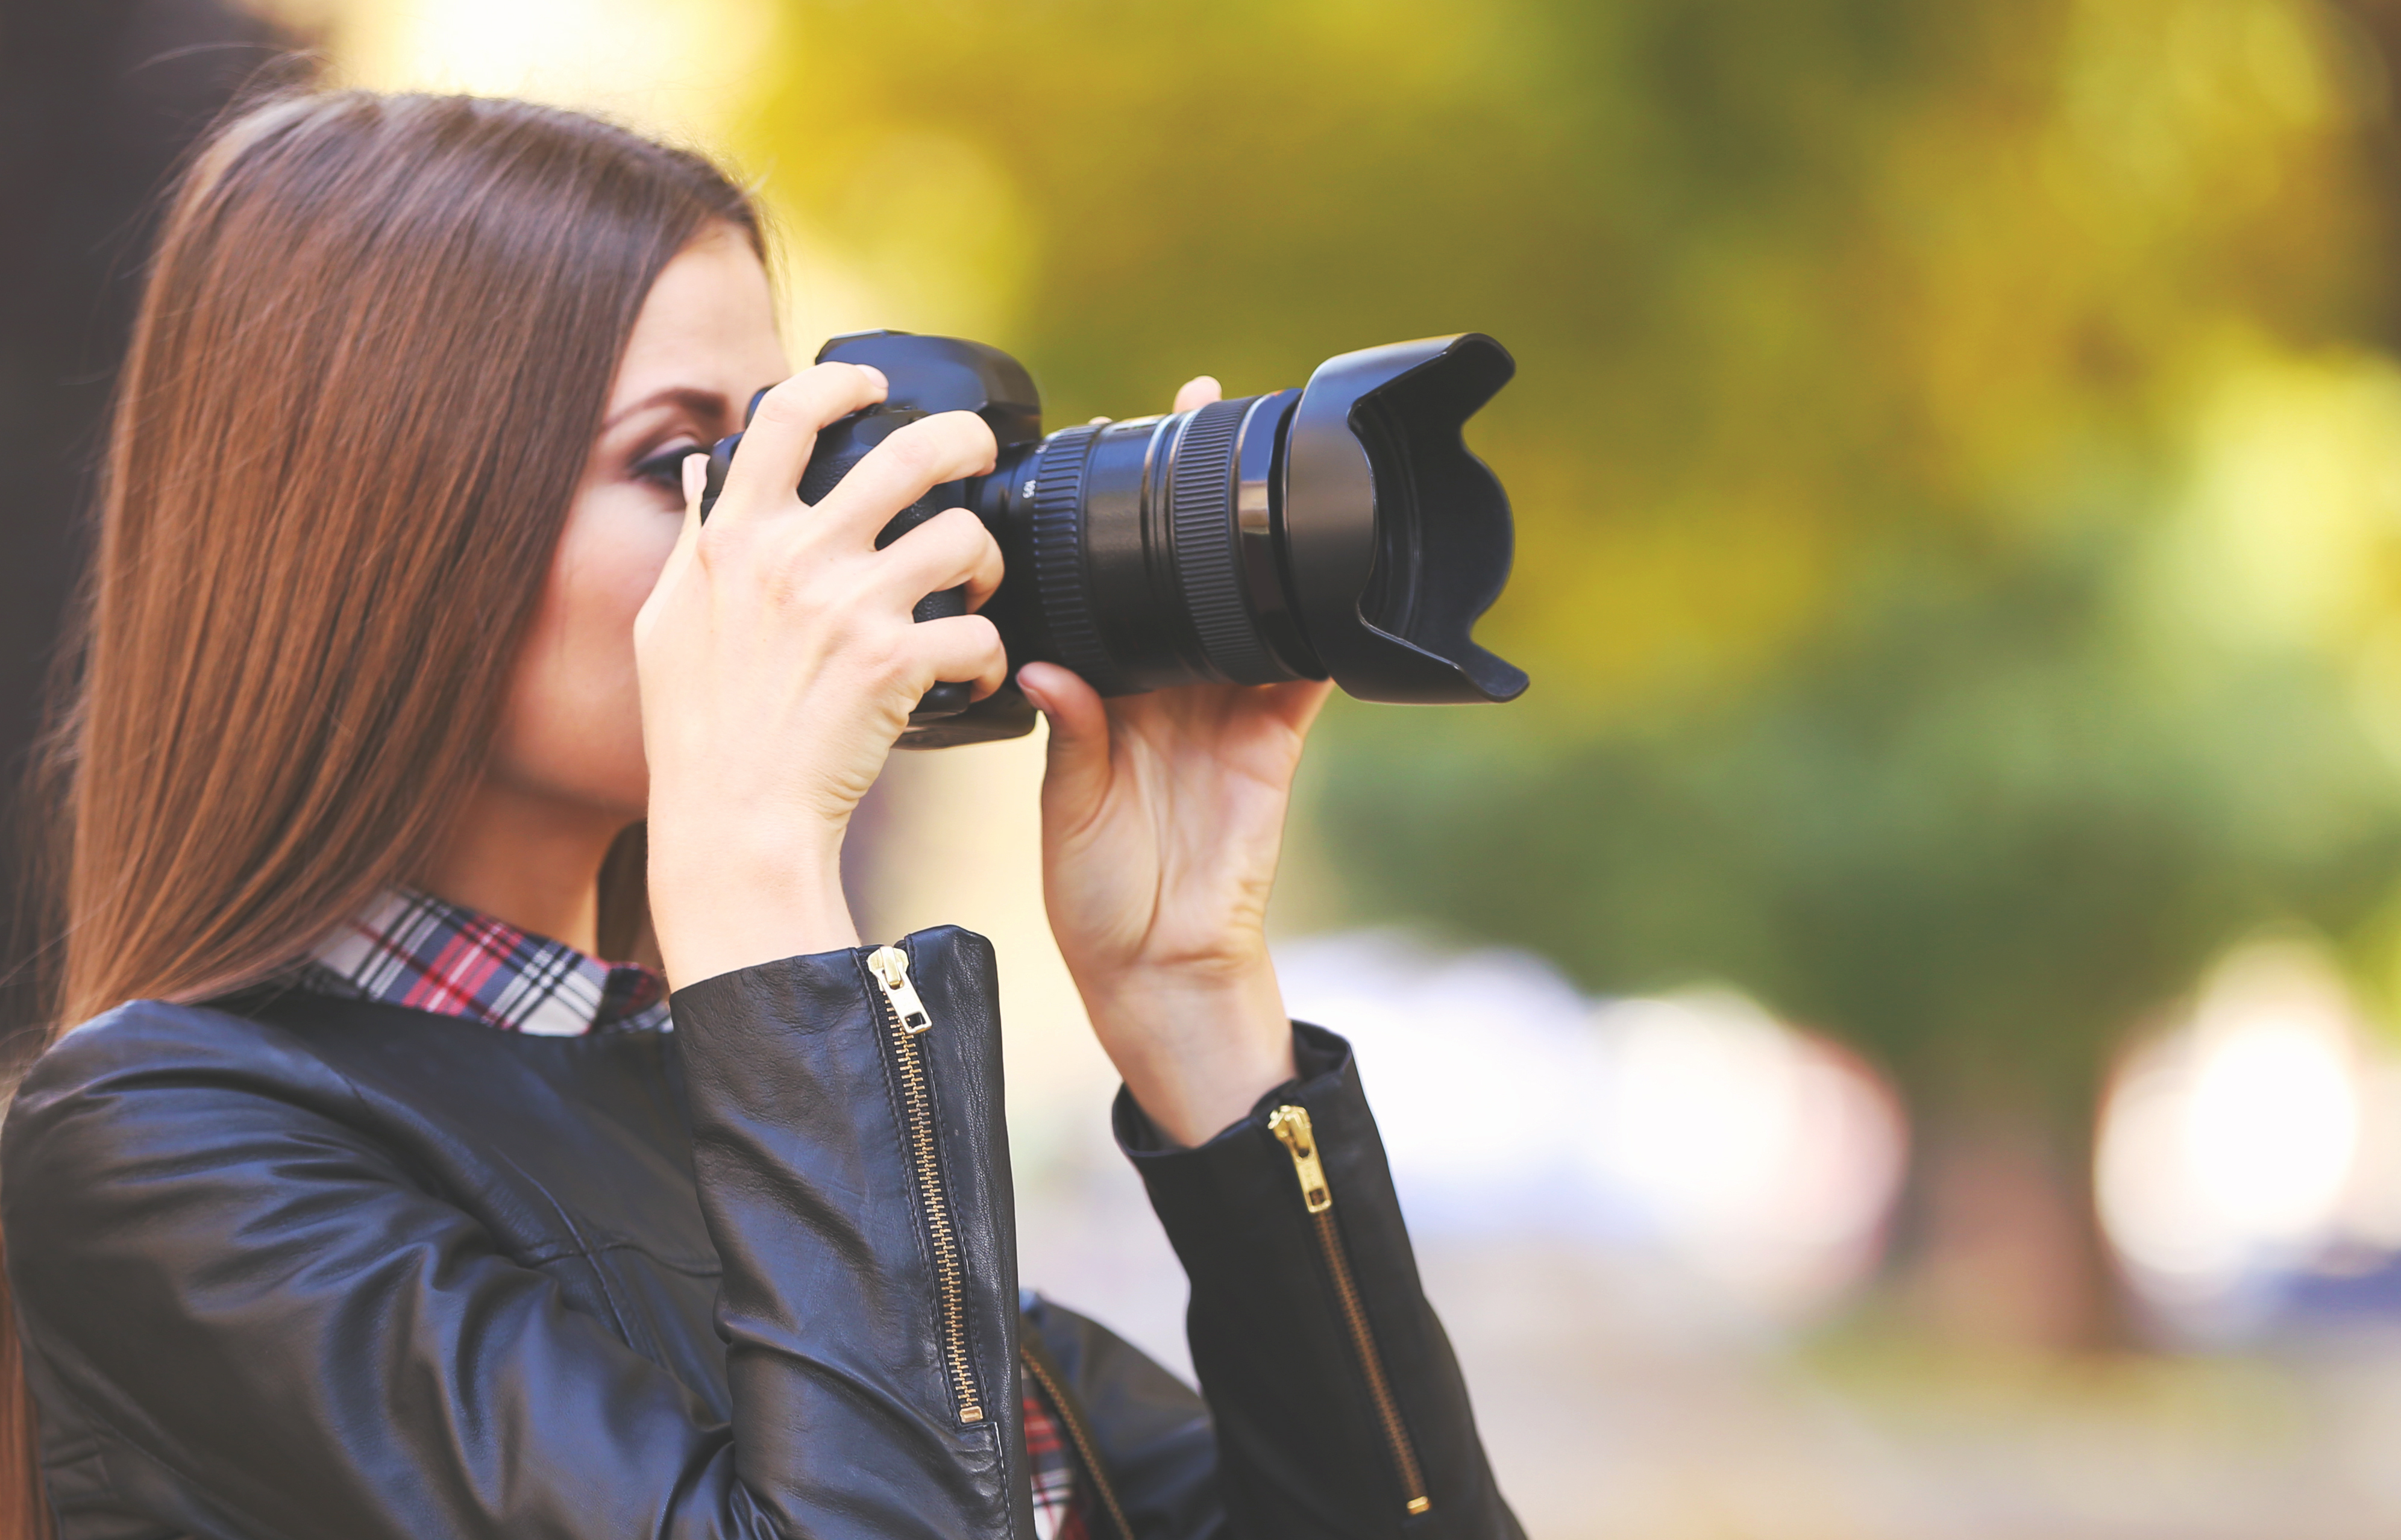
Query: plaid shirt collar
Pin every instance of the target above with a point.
(411, 949)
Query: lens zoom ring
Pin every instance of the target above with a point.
(1059, 558)
(1202, 505)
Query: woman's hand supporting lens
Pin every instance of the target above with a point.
(1163, 816)
(779, 660)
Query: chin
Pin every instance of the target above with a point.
(616, 800)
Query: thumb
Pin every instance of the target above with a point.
(1077, 776)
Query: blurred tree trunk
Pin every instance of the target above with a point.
(2001, 1245)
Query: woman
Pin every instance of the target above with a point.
(365, 1201)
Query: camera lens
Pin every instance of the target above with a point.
(1137, 535)
(1340, 529)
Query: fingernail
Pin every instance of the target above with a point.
(876, 374)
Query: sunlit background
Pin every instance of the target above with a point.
(1899, 1033)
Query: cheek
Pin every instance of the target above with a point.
(572, 727)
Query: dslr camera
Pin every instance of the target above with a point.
(1340, 529)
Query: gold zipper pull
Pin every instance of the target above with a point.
(890, 967)
(1291, 1125)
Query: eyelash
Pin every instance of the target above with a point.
(665, 469)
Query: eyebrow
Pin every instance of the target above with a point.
(692, 398)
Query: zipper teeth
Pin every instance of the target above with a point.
(1291, 1127)
(1084, 1453)
(950, 1272)
(1388, 1408)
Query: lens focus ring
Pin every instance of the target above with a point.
(1059, 558)
(1202, 501)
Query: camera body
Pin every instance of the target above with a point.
(1342, 528)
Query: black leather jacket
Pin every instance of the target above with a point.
(307, 1267)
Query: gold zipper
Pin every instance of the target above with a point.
(1085, 1455)
(1291, 1125)
(889, 966)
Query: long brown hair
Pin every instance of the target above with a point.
(377, 341)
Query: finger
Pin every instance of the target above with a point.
(1298, 702)
(949, 548)
(783, 432)
(962, 647)
(695, 481)
(902, 469)
(1198, 392)
(1078, 774)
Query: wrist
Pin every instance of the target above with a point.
(1196, 1047)
(732, 902)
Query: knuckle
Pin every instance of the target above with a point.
(912, 451)
(797, 573)
(789, 392)
(837, 621)
(812, 398)
(888, 657)
(713, 545)
(969, 434)
(975, 431)
(961, 530)
(785, 407)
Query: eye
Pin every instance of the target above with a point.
(665, 469)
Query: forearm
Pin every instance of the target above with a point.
(1330, 1419)
(1197, 1048)
(855, 1182)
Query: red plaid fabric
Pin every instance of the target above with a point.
(1057, 1514)
(414, 949)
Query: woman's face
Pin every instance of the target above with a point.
(572, 731)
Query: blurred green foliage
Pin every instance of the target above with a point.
(1871, 355)
(1973, 826)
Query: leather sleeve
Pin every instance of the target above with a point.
(260, 1304)
(1302, 1445)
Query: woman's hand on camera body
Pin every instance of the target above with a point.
(779, 658)
(1162, 817)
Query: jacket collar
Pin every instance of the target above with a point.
(414, 949)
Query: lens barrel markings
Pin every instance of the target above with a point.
(1059, 576)
(1201, 494)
